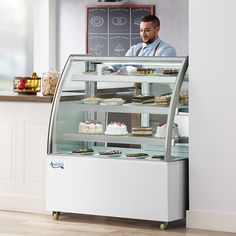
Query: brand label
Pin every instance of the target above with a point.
(57, 164)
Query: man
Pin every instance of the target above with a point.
(152, 45)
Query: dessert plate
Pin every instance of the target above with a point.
(115, 155)
(140, 157)
(140, 104)
(137, 157)
(112, 103)
(86, 153)
(91, 102)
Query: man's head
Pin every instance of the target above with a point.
(149, 28)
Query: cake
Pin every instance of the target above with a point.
(144, 71)
(113, 101)
(92, 100)
(183, 98)
(111, 152)
(170, 72)
(161, 157)
(90, 127)
(140, 154)
(116, 128)
(161, 131)
(83, 150)
(143, 99)
(163, 100)
(142, 131)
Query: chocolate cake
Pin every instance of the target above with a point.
(140, 154)
(83, 150)
(143, 99)
(142, 131)
(111, 152)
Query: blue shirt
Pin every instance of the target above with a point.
(164, 49)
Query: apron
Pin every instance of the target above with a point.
(138, 51)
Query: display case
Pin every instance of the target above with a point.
(118, 138)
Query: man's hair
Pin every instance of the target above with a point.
(151, 18)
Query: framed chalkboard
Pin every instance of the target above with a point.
(112, 30)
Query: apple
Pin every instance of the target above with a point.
(21, 84)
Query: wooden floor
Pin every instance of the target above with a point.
(24, 224)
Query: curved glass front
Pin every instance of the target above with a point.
(121, 107)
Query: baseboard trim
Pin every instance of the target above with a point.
(211, 221)
(21, 203)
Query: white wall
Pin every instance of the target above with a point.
(212, 48)
(71, 28)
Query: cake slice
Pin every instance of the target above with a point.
(142, 131)
(143, 99)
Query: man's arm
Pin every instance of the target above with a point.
(131, 52)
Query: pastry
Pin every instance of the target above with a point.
(116, 128)
(83, 150)
(90, 127)
(142, 131)
(111, 152)
(145, 71)
(136, 154)
(161, 131)
(170, 72)
(163, 100)
(161, 157)
(92, 99)
(143, 99)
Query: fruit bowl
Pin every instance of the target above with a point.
(26, 85)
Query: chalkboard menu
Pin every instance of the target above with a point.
(112, 30)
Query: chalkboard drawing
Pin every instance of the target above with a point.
(119, 21)
(136, 15)
(97, 49)
(118, 44)
(98, 45)
(137, 21)
(97, 21)
(119, 49)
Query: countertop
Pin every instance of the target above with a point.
(9, 96)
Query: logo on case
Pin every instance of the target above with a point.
(57, 164)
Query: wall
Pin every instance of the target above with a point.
(71, 28)
(212, 48)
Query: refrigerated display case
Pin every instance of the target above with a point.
(118, 138)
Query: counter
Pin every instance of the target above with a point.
(24, 123)
(14, 97)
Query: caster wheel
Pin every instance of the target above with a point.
(163, 226)
(55, 215)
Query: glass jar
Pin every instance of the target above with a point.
(49, 82)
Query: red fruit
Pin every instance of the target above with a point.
(21, 84)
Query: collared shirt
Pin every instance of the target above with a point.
(164, 49)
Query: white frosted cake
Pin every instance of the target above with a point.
(90, 127)
(116, 128)
(161, 131)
